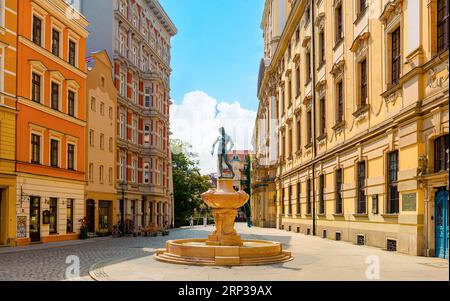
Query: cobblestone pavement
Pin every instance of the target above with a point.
(46, 262)
(131, 258)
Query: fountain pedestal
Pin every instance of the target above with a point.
(224, 247)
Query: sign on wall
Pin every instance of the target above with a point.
(409, 202)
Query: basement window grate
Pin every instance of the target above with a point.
(338, 236)
(324, 235)
(290, 229)
(392, 245)
(360, 240)
(282, 227)
(298, 229)
(308, 231)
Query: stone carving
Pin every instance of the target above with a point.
(423, 165)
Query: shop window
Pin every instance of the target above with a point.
(53, 215)
(69, 216)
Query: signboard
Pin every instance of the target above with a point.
(21, 227)
(409, 202)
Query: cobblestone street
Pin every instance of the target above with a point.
(132, 259)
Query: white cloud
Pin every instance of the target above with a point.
(197, 121)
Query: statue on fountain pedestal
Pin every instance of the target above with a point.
(225, 146)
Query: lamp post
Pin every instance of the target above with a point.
(172, 200)
(122, 209)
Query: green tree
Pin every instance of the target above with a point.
(188, 183)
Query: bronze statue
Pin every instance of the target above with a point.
(225, 145)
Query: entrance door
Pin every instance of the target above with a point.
(35, 219)
(441, 221)
(90, 215)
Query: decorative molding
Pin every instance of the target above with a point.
(392, 9)
(320, 21)
(438, 82)
(360, 42)
(338, 68)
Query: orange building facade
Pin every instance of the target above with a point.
(51, 124)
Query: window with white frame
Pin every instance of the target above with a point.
(122, 126)
(147, 134)
(134, 129)
(147, 97)
(122, 83)
(135, 92)
(146, 173)
(133, 171)
(122, 44)
(122, 168)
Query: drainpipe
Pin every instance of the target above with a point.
(313, 108)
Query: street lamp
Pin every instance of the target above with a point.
(172, 199)
(123, 186)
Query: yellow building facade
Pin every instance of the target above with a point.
(8, 93)
(101, 150)
(359, 91)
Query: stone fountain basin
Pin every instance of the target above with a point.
(225, 200)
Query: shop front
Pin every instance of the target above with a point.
(48, 211)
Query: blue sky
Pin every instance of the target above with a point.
(217, 49)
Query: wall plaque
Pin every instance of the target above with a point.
(409, 201)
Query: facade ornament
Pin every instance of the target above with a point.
(320, 21)
(338, 68)
(423, 165)
(437, 82)
(360, 44)
(392, 97)
(392, 9)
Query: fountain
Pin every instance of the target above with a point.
(224, 247)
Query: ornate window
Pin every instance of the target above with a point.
(396, 55)
(72, 52)
(71, 103)
(322, 194)
(363, 82)
(36, 87)
(441, 153)
(340, 102)
(299, 208)
(323, 116)
(55, 42)
(442, 24)
(70, 157)
(35, 149)
(37, 30)
(339, 180)
(54, 153)
(362, 202)
(55, 96)
(339, 26)
(308, 196)
(393, 195)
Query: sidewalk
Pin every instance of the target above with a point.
(51, 245)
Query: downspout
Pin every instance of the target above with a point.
(313, 108)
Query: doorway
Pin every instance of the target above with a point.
(35, 219)
(90, 215)
(441, 223)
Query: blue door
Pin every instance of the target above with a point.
(441, 221)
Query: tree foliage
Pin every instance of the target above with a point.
(188, 183)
